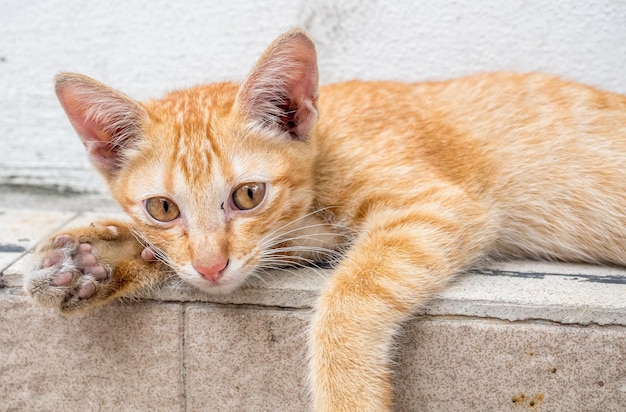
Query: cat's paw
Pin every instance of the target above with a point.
(68, 271)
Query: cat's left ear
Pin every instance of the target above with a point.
(280, 94)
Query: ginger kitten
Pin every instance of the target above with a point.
(409, 183)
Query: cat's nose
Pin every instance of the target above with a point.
(213, 273)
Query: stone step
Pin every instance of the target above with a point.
(510, 337)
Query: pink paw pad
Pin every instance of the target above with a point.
(63, 279)
(81, 259)
(148, 254)
(87, 291)
(87, 262)
(113, 229)
(63, 241)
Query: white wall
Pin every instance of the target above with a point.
(146, 47)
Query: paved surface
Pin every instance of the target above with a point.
(514, 336)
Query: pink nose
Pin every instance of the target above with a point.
(214, 272)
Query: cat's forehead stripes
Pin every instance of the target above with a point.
(188, 132)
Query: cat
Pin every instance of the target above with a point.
(402, 186)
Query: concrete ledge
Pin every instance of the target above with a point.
(122, 357)
(514, 336)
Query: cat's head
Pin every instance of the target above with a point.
(213, 176)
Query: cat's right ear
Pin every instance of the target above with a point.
(280, 94)
(108, 122)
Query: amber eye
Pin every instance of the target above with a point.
(248, 195)
(162, 209)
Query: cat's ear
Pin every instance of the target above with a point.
(280, 94)
(107, 121)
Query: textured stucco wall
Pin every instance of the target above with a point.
(146, 47)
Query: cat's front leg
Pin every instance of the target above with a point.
(400, 260)
(85, 267)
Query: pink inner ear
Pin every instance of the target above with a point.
(88, 130)
(287, 70)
(97, 141)
(304, 82)
(104, 119)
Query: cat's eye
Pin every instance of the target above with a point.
(247, 196)
(162, 209)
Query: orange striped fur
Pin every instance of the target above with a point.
(402, 186)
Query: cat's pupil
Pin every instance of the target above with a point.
(250, 193)
(166, 206)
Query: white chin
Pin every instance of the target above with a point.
(226, 284)
(215, 288)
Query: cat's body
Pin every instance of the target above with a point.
(558, 197)
(410, 183)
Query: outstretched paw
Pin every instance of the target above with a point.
(69, 271)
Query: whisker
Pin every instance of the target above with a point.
(274, 264)
(312, 236)
(298, 248)
(312, 213)
(274, 260)
(291, 271)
